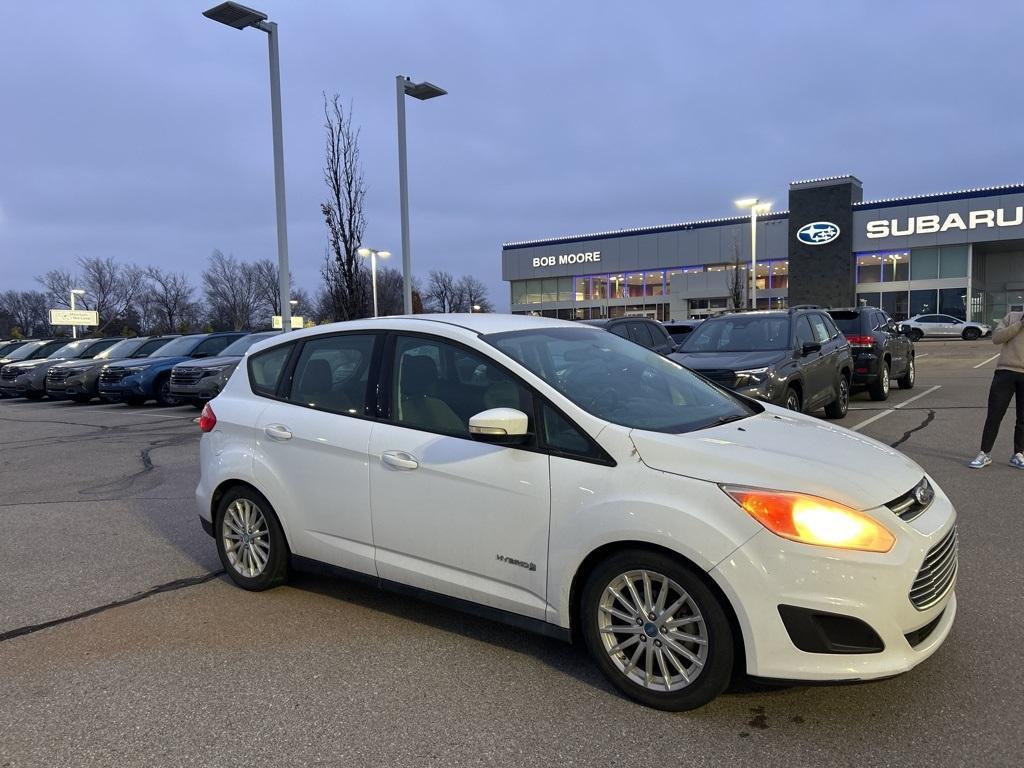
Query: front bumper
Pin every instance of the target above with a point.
(126, 388)
(865, 369)
(769, 571)
(205, 389)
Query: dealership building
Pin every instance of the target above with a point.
(957, 253)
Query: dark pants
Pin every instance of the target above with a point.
(1005, 385)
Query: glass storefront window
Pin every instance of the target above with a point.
(895, 266)
(635, 284)
(597, 313)
(519, 291)
(869, 299)
(677, 276)
(565, 291)
(549, 289)
(654, 284)
(953, 261)
(762, 276)
(619, 311)
(922, 301)
(582, 291)
(780, 274)
(924, 265)
(896, 303)
(953, 301)
(617, 287)
(599, 287)
(533, 295)
(869, 268)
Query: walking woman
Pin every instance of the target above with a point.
(1007, 384)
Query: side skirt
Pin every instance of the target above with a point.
(537, 626)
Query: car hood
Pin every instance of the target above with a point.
(210, 362)
(84, 365)
(784, 451)
(27, 365)
(733, 361)
(149, 362)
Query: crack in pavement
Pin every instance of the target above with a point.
(170, 586)
(928, 419)
(8, 504)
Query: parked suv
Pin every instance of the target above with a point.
(136, 381)
(553, 476)
(679, 330)
(78, 380)
(33, 350)
(197, 381)
(29, 376)
(795, 358)
(920, 326)
(880, 350)
(644, 331)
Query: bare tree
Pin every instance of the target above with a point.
(110, 288)
(471, 292)
(232, 293)
(171, 298)
(441, 293)
(343, 210)
(737, 289)
(28, 311)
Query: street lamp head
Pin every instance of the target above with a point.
(77, 291)
(235, 15)
(746, 202)
(293, 302)
(383, 254)
(476, 307)
(364, 252)
(762, 207)
(423, 91)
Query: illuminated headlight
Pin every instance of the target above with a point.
(216, 371)
(751, 377)
(137, 369)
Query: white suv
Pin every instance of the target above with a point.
(565, 480)
(920, 326)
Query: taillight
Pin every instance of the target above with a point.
(207, 419)
(861, 341)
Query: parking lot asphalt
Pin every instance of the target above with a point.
(121, 642)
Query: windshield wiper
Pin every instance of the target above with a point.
(727, 419)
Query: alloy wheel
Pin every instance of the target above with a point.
(246, 538)
(652, 630)
(793, 401)
(844, 394)
(911, 371)
(885, 379)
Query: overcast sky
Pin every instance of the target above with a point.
(141, 130)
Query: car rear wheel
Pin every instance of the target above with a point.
(906, 381)
(656, 630)
(837, 408)
(135, 401)
(30, 395)
(879, 389)
(916, 334)
(970, 334)
(250, 542)
(163, 392)
(792, 401)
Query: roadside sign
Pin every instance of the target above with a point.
(297, 321)
(74, 317)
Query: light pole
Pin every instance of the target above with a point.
(756, 207)
(240, 17)
(364, 252)
(75, 292)
(422, 91)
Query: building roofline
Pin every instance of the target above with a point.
(678, 227)
(939, 197)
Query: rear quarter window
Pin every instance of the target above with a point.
(266, 367)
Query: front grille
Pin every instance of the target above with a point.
(9, 373)
(937, 574)
(186, 375)
(57, 376)
(724, 377)
(907, 507)
(112, 375)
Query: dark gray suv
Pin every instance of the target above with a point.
(795, 358)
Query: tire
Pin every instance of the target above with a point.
(264, 563)
(708, 643)
(30, 395)
(879, 389)
(906, 381)
(837, 408)
(134, 402)
(81, 398)
(792, 400)
(971, 334)
(162, 390)
(198, 404)
(916, 334)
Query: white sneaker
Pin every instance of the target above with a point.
(983, 460)
(1017, 461)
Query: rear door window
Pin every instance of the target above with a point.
(266, 367)
(641, 334)
(620, 330)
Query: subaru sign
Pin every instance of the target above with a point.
(817, 233)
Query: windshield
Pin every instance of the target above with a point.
(619, 381)
(848, 322)
(239, 347)
(25, 350)
(9, 347)
(123, 348)
(740, 333)
(180, 347)
(74, 349)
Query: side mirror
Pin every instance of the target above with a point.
(809, 347)
(500, 426)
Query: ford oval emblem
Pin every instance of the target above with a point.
(817, 233)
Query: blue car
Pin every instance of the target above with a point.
(136, 381)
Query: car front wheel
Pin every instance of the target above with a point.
(916, 334)
(792, 401)
(971, 334)
(250, 542)
(656, 630)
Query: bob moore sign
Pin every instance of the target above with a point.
(567, 258)
(930, 224)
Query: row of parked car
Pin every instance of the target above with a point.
(171, 369)
(805, 358)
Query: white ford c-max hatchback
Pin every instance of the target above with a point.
(566, 480)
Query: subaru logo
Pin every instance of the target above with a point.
(817, 233)
(923, 493)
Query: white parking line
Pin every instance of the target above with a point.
(985, 362)
(923, 354)
(895, 408)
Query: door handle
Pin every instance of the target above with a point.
(399, 460)
(278, 432)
